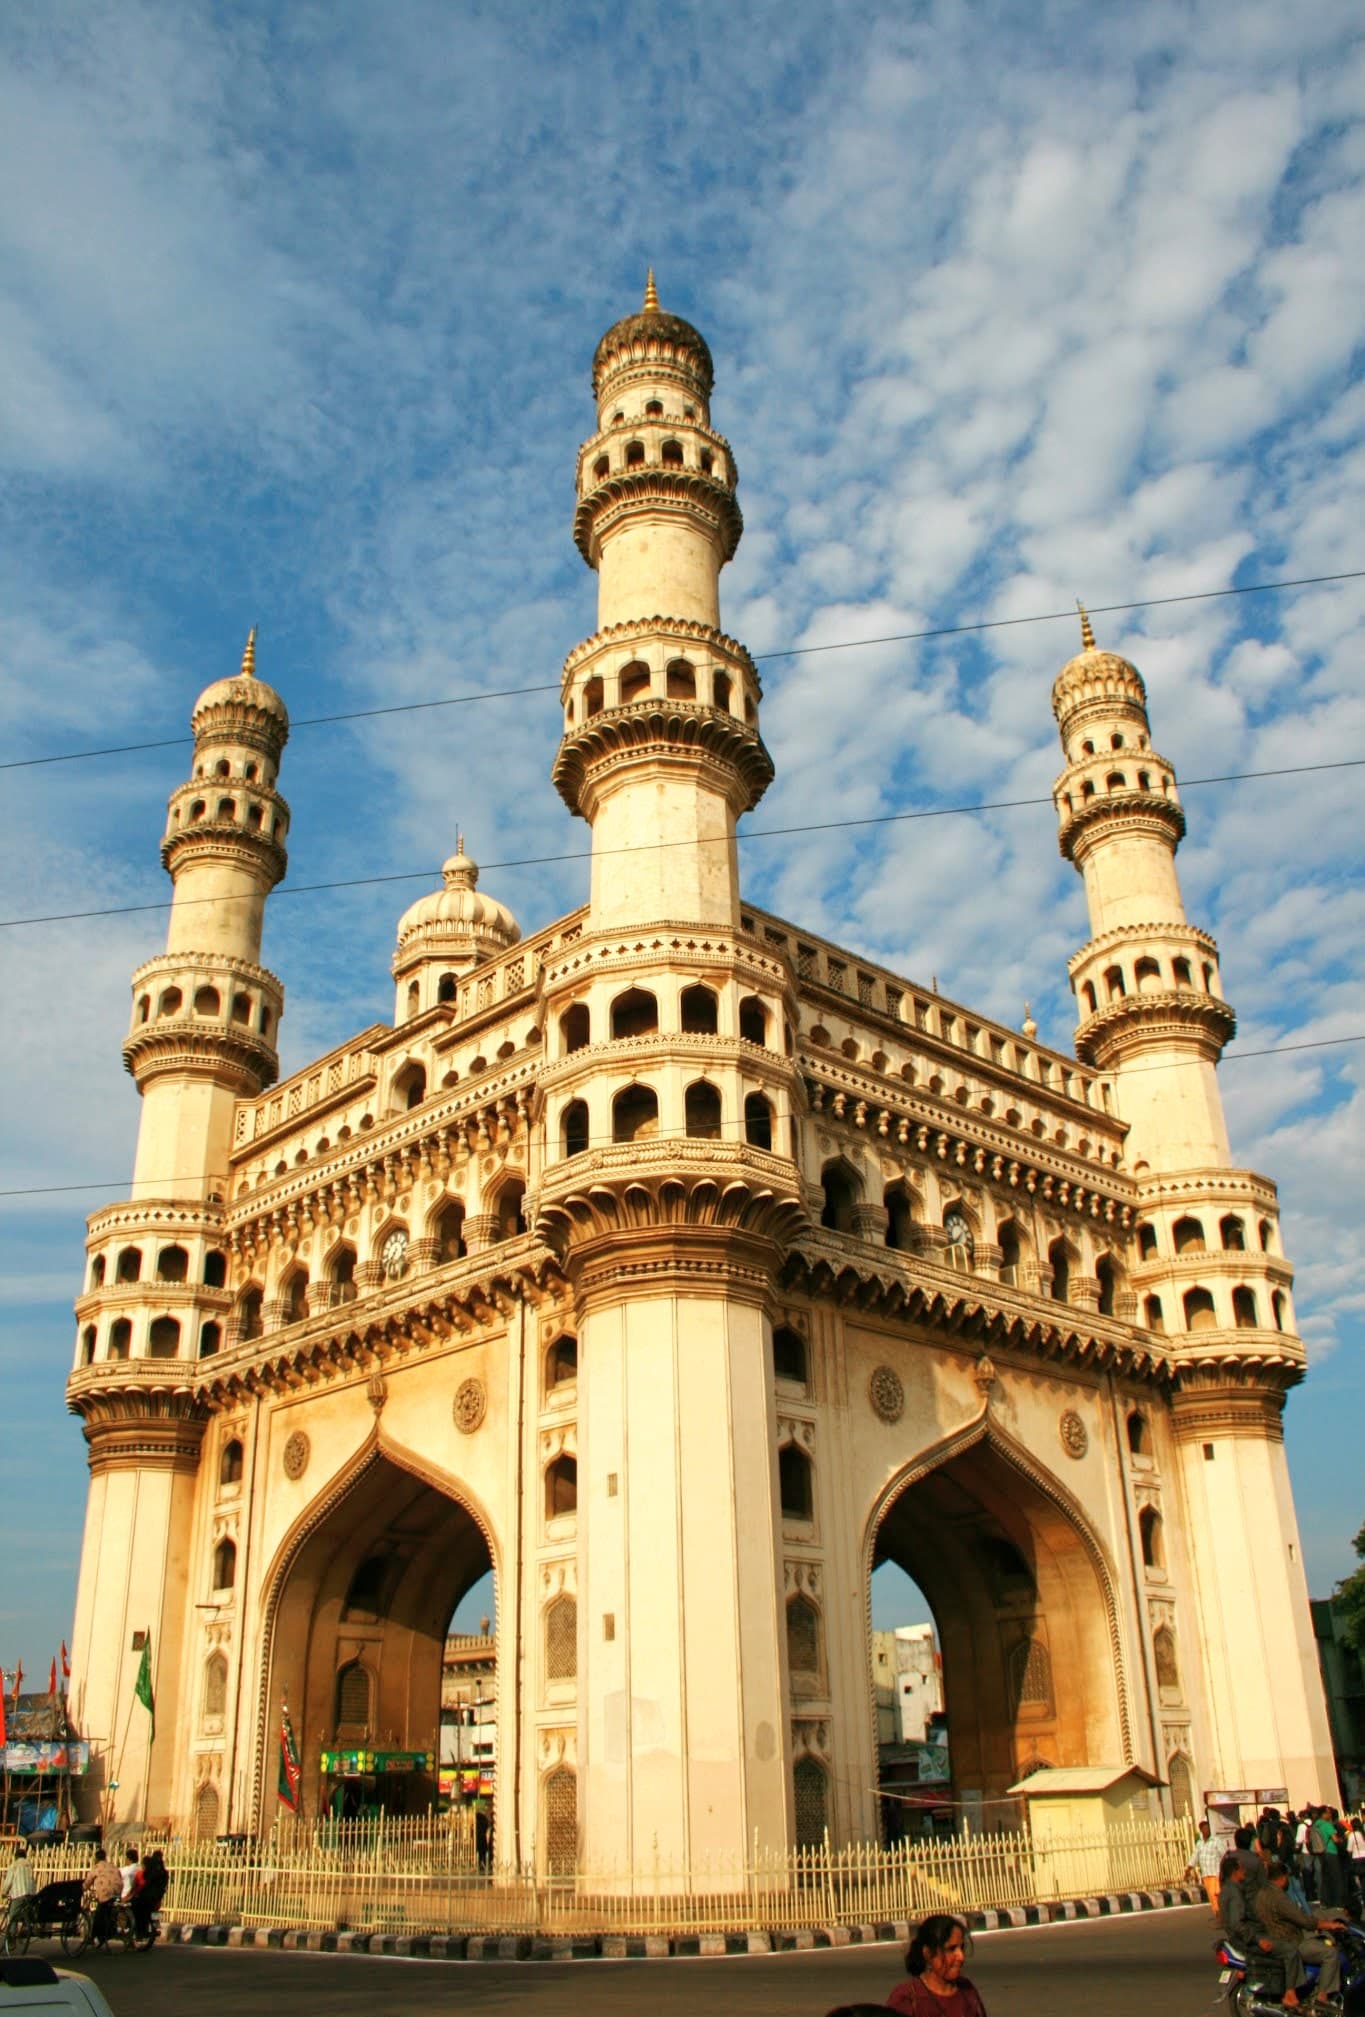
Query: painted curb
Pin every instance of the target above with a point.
(661, 1946)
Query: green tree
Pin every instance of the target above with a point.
(1350, 1598)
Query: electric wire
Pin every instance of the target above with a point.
(734, 1124)
(657, 846)
(758, 658)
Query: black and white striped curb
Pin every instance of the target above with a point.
(656, 1946)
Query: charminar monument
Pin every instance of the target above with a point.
(681, 1268)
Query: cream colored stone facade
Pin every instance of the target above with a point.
(680, 1266)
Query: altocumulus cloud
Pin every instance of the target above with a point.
(1008, 304)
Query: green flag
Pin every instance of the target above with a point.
(142, 1687)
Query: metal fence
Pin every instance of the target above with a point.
(416, 1879)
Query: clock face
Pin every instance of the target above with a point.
(393, 1254)
(958, 1231)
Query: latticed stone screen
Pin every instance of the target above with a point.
(1032, 1674)
(353, 1696)
(205, 1814)
(811, 1786)
(561, 1640)
(561, 1820)
(803, 1637)
(215, 1689)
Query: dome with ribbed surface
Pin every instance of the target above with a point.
(457, 916)
(651, 335)
(240, 697)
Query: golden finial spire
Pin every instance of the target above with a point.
(1087, 634)
(651, 294)
(249, 655)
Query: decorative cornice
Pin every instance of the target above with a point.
(912, 1289)
(1130, 811)
(1134, 1021)
(199, 1048)
(142, 1415)
(973, 1143)
(657, 487)
(261, 855)
(1167, 931)
(668, 732)
(1212, 1401)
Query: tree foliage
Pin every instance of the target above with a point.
(1350, 1599)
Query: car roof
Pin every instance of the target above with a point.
(31, 1984)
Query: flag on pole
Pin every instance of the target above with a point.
(291, 1772)
(4, 1736)
(66, 1662)
(18, 1682)
(142, 1687)
(52, 1679)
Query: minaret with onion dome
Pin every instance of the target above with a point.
(1150, 1007)
(660, 751)
(668, 1186)
(203, 1036)
(1208, 1273)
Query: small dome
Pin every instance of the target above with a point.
(241, 696)
(1096, 670)
(634, 334)
(456, 917)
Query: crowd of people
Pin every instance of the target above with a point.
(1282, 1886)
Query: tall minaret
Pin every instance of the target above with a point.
(661, 751)
(668, 1184)
(205, 1016)
(205, 1012)
(1209, 1271)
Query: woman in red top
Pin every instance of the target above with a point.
(936, 1985)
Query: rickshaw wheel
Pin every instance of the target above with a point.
(76, 1934)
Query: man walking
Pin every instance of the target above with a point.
(1204, 1861)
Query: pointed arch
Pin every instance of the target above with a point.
(983, 1432)
(379, 1464)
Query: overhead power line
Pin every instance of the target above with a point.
(1235, 1057)
(759, 658)
(655, 846)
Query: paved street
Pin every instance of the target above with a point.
(1156, 1962)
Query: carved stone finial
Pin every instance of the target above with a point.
(651, 294)
(249, 655)
(984, 1374)
(1087, 634)
(377, 1391)
(1028, 1025)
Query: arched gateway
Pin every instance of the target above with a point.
(1024, 1600)
(357, 1609)
(653, 1259)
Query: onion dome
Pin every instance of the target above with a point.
(455, 921)
(242, 701)
(652, 337)
(1095, 678)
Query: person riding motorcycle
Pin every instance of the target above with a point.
(1282, 1919)
(1248, 1936)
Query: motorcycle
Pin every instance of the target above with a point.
(1253, 1983)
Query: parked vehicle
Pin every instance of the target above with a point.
(27, 1984)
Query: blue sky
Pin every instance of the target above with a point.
(1008, 304)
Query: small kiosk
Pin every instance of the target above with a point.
(360, 1784)
(1078, 1816)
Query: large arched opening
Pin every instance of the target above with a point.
(377, 1641)
(1024, 1620)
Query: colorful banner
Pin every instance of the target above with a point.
(363, 1764)
(30, 1760)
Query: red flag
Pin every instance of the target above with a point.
(18, 1682)
(66, 1662)
(52, 1679)
(291, 1772)
(4, 1738)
